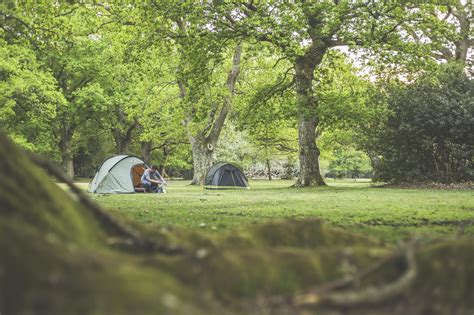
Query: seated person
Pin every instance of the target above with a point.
(152, 180)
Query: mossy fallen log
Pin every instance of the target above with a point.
(59, 256)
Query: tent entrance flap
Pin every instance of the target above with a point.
(137, 172)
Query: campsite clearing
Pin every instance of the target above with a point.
(390, 214)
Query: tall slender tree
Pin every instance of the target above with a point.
(204, 140)
(204, 76)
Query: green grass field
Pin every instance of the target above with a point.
(390, 214)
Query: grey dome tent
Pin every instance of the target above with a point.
(119, 174)
(225, 175)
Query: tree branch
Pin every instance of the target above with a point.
(230, 83)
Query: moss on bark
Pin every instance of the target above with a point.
(57, 257)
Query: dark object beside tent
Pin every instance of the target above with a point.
(224, 175)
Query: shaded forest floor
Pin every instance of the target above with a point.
(390, 214)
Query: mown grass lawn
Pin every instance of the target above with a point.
(390, 214)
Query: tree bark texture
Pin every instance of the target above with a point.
(457, 48)
(146, 147)
(203, 158)
(67, 164)
(465, 41)
(269, 169)
(65, 143)
(309, 174)
(123, 132)
(60, 253)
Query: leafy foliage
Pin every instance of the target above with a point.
(348, 162)
(429, 134)
(152, 78)
(28, 99)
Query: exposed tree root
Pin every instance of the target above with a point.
(346, 282)
(328, 295)
(299, 184)
(54, 259)
(131, 237)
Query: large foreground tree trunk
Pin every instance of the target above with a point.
(62, 256)
(307, 122)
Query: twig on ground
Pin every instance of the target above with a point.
(331, 294)
(370, 295)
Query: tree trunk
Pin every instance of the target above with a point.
(465, 40)
(204, 142)
(163, 172)
(120, 144)
(81, 163)
(67, 162)
(309, 154)
(203, 157)
(269, 169)
(166, 153)
(309, 174)
(146, 148)
(123, 132)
